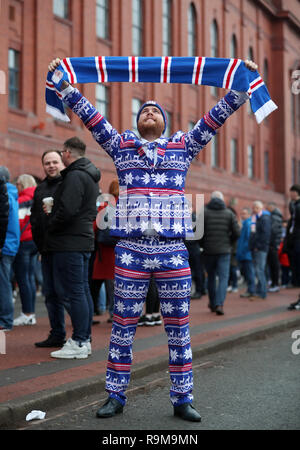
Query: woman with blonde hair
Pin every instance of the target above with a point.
(25, 261)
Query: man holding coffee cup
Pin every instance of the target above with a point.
(42, 205)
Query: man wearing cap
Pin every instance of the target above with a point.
(152, 219)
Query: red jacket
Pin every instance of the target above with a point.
(25, 202)
(283, 257)
(104, 265)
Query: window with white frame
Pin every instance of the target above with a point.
(169, 128)
(135, 107)
(102, 100)
(215, 151)
(233, 46)
(14, 78)
(137, 27)
(167, 27)
(214, 49)
(192, 30)
(102, 19)
(293, 170)
(234, 155)
(266, 167)
(61, 8)
(250, 154)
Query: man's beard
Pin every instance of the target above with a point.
(150, 127)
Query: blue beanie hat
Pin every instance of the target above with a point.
(153, 103)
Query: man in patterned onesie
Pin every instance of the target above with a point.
(152, 219)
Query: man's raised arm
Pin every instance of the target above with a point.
(207, 127)
(101, 129)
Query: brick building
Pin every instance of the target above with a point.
(246, 161)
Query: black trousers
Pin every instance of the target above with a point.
(274, 266)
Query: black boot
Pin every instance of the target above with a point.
(110, 408)
(186, 411)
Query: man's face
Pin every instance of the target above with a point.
(256, 209)
(52, 165)
(294, 195)
(151, 119)
(244, 214)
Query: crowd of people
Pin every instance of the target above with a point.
(257, 249)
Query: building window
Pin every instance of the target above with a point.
(233, 47)
(234, 156)
(266, 167)
(214, 50)
(167, 28)
(61, 8)
(192, 30)
(293, 170)
(251, 57)
(136, 104)
(191, 125)
(250, 161)
(295, 107)
(102, 19)
(137, 27)
(14, 78)
(215, 151)
(169, 128)
(266, 72)
(102, 100)
(250, 53)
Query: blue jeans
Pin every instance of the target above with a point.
(259, 261)
(6, 303)
(55, 305)
(24, 267)
(249, 274)
(71, 283)
(217, 266)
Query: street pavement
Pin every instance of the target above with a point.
(31, 380)
(254, 386)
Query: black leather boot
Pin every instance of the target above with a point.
(186, 411)
(110, 408)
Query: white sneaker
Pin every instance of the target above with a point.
(229, 289)
(71, 350)
(274, 289)
(25, 320)
(235, 290)
(89, 347)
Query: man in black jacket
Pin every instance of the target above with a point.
(276, 234)
(52, 165)
(221, 230)
(4, 211)
(70, 240)
(292, 240)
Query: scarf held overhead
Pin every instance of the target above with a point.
(228, 73)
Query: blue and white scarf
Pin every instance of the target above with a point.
(220, 72)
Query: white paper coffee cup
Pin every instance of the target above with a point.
(48, 202)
